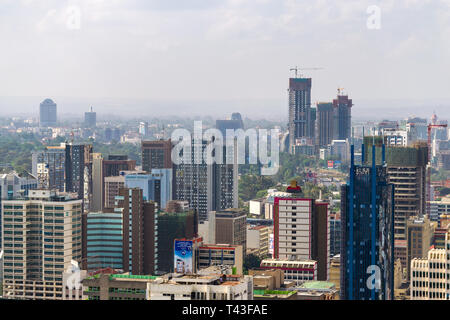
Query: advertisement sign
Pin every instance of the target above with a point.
(183, 256)
(330, 164)
(271, 244)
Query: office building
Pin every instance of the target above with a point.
(335, 234)
(342, 126)
(156, 155)
(78, 170)
(201, 287)
(295, 271)
(335, 272)
(439, 208)
(208, 255)
(430, 278)
(97, 182)
(90, 119)
(258, 240)
(138, 222)
(48, 114)
(302, 232)
(41, 236)
(112, 166)
(112, 186)
(301, 124)
(234, 123)
(419, 237)
(157, 185)
(49, 168)
(117, 286)
(206, 187)
(367, 219)
(325, 122)
(13, 185)
(406, 171)
(171, 226)
(229, 227)
(104, 241)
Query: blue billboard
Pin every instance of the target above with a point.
(183, 256)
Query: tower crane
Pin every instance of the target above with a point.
(298, 70)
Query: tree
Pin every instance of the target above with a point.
(251, 261)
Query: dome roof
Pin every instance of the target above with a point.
(48, 101)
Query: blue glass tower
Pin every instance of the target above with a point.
(367, 215)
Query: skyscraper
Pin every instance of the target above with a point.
(325, 123)
(90, 119)
(367, 215)
(206, 187)
(78, 169)
(49, 168)
(302, 232)
(300, 120)
(406, 170)
(156, 155)
(342, 117)
(45, 231)
(138, 227)
(47, 114)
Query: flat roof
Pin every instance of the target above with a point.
(317, 285)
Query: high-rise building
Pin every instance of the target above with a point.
(300, 120)
(258, 240)
(230, 227)
(325, 122)
(90, 119)
(43, 234)
(113, 166)
(367, 218)
(97, 182)
(13, 185)
(157, 185)
(156, 155)
(47, 114)
(342, 117)
(206, 187)
(49, 168)
(112, 186)
(419, 237)
(104, 240)
(335, 234)
(406, 170)
(138, 225)
(302, 232)
(430, 278)
(171, 226)
(234, 123)
(78, 170)
(143, 128)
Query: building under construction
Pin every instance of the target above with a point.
(406, 170)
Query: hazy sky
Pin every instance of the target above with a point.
(239, 52)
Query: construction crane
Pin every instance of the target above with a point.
(430, 127)
(297, 70)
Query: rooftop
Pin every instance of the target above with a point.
(318, 285)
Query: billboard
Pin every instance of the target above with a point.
(271, 244)
(183, 256)
(330, 164)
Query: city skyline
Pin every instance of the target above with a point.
(140, 56)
